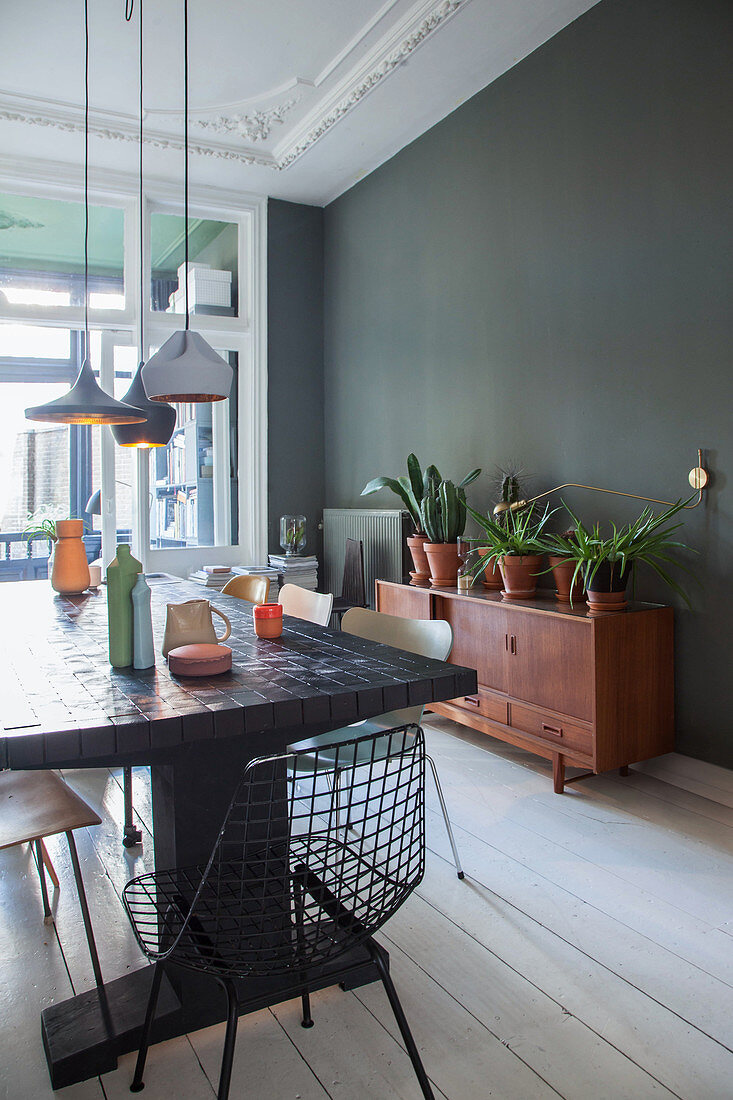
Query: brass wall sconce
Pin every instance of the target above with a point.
(698, 478)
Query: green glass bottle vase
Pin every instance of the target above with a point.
(122, 573)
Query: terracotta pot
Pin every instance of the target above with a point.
(562, 571)
(421, 574)
(607, 589)
(606, 601)
(70, 571)
(519, 573)
(443, 562)
(492, 573)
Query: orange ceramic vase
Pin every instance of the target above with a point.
(70, 571)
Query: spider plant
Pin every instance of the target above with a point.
(40, 527)
(413, 489)
(516, 534)
(648, 539)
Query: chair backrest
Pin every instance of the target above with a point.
(287, 886)
(428, 637)
(246, 587)
(301, 603)
(353, 588)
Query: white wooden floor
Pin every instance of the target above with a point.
(588, 954)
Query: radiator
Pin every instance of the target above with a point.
(383, 535)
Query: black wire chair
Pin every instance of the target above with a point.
(287, 890)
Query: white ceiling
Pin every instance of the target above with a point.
(289, 99)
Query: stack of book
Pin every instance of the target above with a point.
(212, 576)
(296, 570)
(262, 571)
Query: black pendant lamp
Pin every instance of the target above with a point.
(186, 368)
(160, 419)
(86, 402)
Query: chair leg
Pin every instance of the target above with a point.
(138, 1084)
(307, 1020)
(227, 1059)
(130, 835)
(49, 865)
(402, 1023)
(439, 789)
(42, 876)
(85, 910)
(335, 789)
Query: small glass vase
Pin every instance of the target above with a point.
(292, 534)
(465, 578)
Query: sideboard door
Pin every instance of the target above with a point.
(480, 638)
(551, 662)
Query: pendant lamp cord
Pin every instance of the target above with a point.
(185, 146)
(86, 179)
(129, 10)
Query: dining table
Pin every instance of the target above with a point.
(64, 707)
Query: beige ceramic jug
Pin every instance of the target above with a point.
(190, 622)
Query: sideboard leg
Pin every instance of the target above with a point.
(558, 772)
(624, 769)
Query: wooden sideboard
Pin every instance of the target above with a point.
(591, 691)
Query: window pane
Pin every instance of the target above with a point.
(34, 342)
(42, 252)
(213, 265)
(36, 456)
(193, 482)
(125, 360)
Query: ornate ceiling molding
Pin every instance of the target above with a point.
(347, 98)
(257, 126)
(73, 124)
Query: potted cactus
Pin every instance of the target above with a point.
(510, 492)
(444, 519)
(412, 491)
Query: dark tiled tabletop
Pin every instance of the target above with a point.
(62, 703)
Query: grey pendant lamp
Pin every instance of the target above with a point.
(160, 419)
(86, 402)
(186, 368)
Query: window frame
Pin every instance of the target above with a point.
(245, 334)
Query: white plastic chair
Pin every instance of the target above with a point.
(300, 603)
(429, 638)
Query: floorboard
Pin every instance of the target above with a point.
(589, 952)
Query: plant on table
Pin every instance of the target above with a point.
(412, 491)
(40, 526)
(515, 540)
(444, 519)
(68, 567)
(606, 564)
(561, 549)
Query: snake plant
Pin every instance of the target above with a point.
(415, 488)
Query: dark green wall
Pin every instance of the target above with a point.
(546, 276)
(295, 366)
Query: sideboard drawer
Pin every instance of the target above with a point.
(558, 731)
(485, 703)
